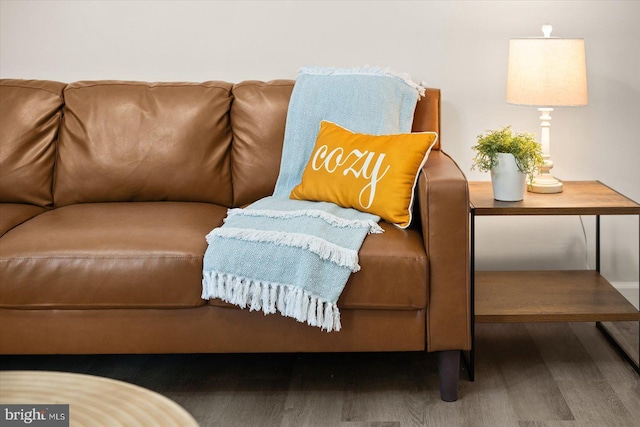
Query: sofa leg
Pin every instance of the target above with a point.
(449, 370)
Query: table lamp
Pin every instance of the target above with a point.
(546, 72)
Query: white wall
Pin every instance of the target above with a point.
(458, 46)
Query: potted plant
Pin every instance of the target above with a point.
(510, 158)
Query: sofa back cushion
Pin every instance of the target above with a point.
(134, 141)
(30, 113)
(427, 115)
(258, 116)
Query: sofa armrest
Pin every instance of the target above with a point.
(444, 212)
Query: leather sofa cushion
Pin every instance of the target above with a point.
(134, 141)
(258, 116)
(30, 112)
(12, 214)
(394, 273)
(108, 255)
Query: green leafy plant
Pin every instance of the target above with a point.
(523, 146)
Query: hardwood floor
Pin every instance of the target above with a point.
(527, 375)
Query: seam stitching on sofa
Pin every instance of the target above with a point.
(397, 257)
(35, 88)
(43, 307)
(101, 257)
(68, 88)
(428, 251)
(262, 84)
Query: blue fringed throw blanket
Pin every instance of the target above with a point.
(295, 257)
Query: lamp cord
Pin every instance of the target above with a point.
(586, 249)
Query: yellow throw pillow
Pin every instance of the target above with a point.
(370, 173)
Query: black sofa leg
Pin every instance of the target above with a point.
(449, 370)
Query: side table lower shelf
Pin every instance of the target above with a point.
(548, 296)
(555, 296)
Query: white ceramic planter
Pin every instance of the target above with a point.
(508, 182)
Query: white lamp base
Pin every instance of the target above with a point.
(544, 182)
(546, 188)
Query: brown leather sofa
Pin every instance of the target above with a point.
(108, 189)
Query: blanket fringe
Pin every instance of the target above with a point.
(324, 249)
(336, 221)
(270, 298)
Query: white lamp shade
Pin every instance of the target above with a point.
(547, 72)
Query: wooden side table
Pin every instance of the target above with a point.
(551, 296)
